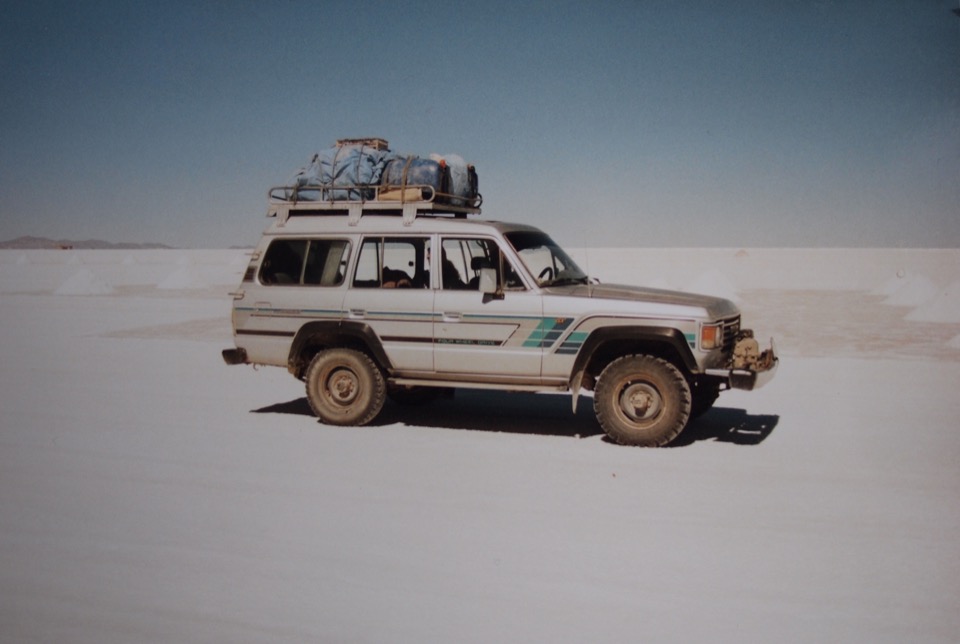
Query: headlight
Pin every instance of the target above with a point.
(711, 336)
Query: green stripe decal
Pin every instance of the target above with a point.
(547, 332)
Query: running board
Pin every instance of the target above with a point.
(460, 384)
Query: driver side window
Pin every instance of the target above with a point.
(462, 259)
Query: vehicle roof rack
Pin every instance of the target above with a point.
(408, 201)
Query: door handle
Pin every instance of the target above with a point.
(357, 313)
(452, 317)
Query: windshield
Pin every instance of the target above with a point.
(546, 261)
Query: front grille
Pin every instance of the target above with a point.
(731, 328)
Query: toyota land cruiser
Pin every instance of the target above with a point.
(401, 296)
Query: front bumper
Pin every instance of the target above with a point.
(751, 372)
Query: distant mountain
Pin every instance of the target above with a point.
(33, 243)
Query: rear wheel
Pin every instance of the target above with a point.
(345, 387)
(642, 400)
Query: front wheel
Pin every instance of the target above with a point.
(642, 400)
(345, 387)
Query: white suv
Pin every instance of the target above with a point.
(365, 300)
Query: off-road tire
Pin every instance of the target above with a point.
(345, 387)
(642, 400)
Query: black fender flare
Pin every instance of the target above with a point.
(337, 333)
(668, 336)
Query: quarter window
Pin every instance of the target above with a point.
(316, 262)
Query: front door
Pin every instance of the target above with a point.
(475, 333)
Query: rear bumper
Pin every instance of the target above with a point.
(234, 356)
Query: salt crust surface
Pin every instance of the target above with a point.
(151, 493)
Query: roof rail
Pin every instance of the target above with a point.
(409, 201)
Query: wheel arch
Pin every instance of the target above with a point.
(314, 337)
(603, 346)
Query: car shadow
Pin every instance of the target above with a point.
(480, 410)
(508, 412)
(728, 425)
(543, 415)
(298, 407)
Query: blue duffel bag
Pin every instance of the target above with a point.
(350, 166)
(404, 171)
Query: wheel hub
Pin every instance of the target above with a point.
(641, 401)
(343, 386)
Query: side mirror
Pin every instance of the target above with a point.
(488, 281)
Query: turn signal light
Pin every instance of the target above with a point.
(710, 336)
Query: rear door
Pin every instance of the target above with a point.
(390, 293)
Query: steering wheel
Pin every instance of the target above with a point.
(545, 275)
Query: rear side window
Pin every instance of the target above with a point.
(317, 262)
(393, 262)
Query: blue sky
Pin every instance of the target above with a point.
(644, 123)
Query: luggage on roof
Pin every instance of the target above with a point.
(366, 170)
(352, 165)
(375, 143)
(427, 174)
